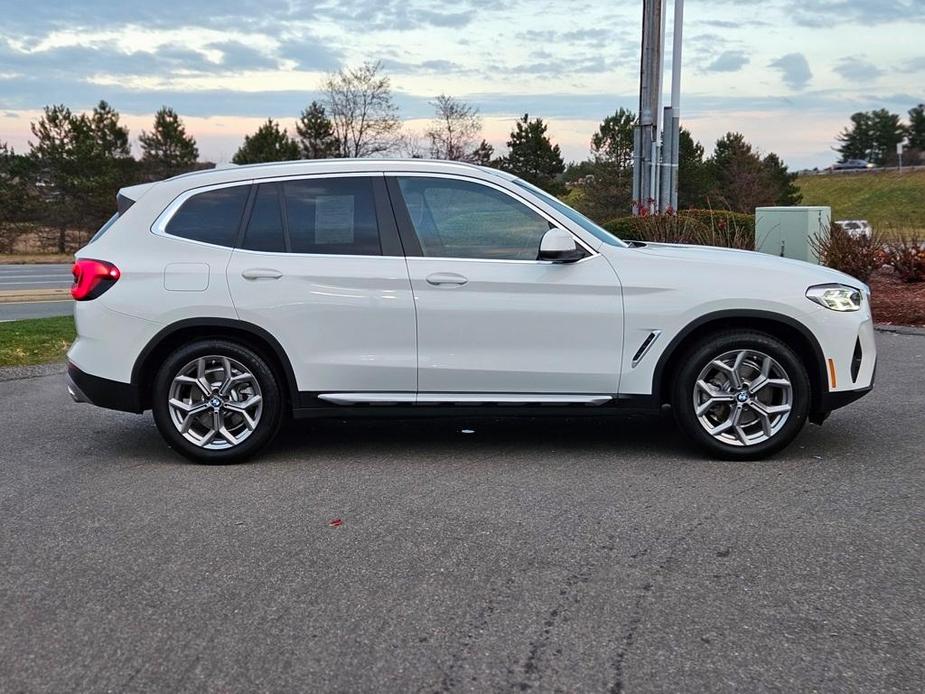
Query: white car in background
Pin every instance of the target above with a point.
(226, 300)
(856, 227)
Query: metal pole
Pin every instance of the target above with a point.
(666, 173)
(677, 40)
(647, 127)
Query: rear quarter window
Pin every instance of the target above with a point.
(213, 216)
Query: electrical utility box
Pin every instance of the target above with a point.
(790, 231)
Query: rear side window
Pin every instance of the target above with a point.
(265, 228)
(334, 216)
(211, 217)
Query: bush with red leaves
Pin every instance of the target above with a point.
(857, 256)
(906, 254)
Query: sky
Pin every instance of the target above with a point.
(786, 73)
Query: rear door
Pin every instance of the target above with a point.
(320, 267)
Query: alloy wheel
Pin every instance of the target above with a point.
(215, 402)
(743, 397)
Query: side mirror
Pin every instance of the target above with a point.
(559, 247)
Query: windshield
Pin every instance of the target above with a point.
(575, 216)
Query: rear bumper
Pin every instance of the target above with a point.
(113, 395)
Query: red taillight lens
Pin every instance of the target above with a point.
(92, 278)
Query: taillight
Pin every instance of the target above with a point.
(92, 278)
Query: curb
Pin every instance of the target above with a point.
(899, 329)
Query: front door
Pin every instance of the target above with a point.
(491, 318)
(320, 267)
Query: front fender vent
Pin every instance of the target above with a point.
(645, 346)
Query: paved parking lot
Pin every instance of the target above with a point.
(543, 556)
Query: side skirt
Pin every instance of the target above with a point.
(314, 407)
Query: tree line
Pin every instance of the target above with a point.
(874, 135)
(76, 162)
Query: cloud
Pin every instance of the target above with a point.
(825, 13)
(728, 61)
(794, 70)
(857, 69)
(914, 65)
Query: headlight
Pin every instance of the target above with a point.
(837, 297)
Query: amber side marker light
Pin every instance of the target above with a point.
(832, 379)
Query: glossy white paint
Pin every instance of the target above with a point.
(517, 326)
(346, 322)
(440, 327)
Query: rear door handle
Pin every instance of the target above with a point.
(446, 278)
(261, 273)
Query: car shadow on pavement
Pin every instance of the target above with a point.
(629, 434)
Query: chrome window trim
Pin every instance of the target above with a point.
(159, 227)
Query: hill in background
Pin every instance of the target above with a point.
(886, 199)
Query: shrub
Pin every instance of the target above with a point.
(701, 227)
(906, 253)
(857, 256)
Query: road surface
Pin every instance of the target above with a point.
(542, 556)
(26, 278)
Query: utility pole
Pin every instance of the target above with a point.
(671, 129)
(645, 159)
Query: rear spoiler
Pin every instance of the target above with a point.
(127, 197)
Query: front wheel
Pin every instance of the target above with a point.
(741, 394)
(216, 402)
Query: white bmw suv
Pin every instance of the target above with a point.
(226, 300)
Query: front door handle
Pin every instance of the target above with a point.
(446, 278)
(261, 273)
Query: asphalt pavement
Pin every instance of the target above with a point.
(528, 555)
(35, 279)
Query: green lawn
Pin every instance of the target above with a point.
(887, 200)
(38, 341)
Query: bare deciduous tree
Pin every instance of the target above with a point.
(454, 129)
(364, 116)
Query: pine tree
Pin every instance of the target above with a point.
(483, 155)
(781, 181)
(316, 133)
(608, 189)
(739, 175)
(532, 156)
(269, 143)
(694, 175)
(916, 130)
(872, 136)
(85, 159)
(167, 147)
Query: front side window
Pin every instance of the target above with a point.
(211, 217)
(333, 216)
(460, 219)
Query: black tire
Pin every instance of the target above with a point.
(267, 424)
(700, 354)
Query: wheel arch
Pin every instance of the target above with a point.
(247, 334)
(790, 331)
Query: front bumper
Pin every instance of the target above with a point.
(113, 395)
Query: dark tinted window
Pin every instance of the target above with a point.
(265, 228)
(458, 219)
(211, 217)
(334, 215)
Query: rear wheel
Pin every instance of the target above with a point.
(216, 402)
(741, 394)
